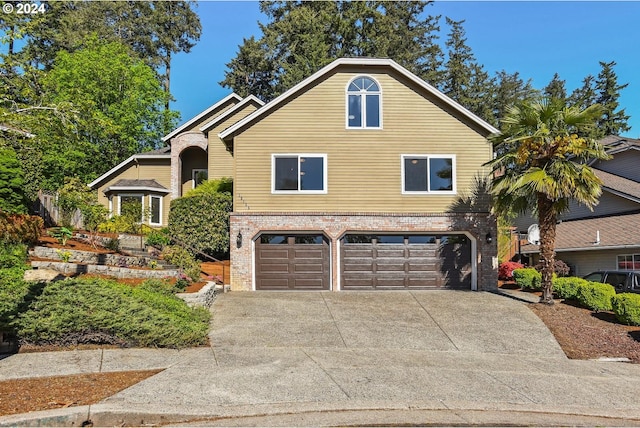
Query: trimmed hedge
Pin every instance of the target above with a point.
(201, 222)
(596, 296)
(567, 288)
(626, 306)
(527, 278)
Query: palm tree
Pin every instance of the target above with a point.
(540, 166)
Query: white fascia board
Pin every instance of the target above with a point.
(125, 163)
(592, 248)
(357, 61)
(232, 110)
(136, 188)
(200, 116)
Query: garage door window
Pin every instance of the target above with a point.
(428, 173)
(299, 174)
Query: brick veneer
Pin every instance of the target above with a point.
(178, 145)
(335, 225)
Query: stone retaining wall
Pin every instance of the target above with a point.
(115, 271)
(204, 297)
(89, 257)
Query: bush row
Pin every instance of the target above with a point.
(592, 295)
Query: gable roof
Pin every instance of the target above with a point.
(283, 98)
(230, 97)
(163, 153)
(580, 235)
(620, 186)
(615, 144)
(250, 99)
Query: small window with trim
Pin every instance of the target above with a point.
(299, 173)
(428, 174)
(364, 106)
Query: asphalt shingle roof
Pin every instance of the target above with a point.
(619, 184)
(615, 231)
(138, 183)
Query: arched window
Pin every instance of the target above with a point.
(363, 103)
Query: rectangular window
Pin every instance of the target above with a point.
(130, 205)
(428, 174)
(299, 174)
(355, 111)
(629, 262)
(155, 208)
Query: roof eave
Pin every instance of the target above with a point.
(125, 163)
(251, 98)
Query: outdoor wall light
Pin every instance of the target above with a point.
(489, 238)
(239, 240)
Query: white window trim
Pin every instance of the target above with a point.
(299, 192)
(138, 195)
(194, 174)
(151, 210)
(364, 114)
(453, 190)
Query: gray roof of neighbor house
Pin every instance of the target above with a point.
(616, 143)
(133, 184)
(619, 185)
(615, 232)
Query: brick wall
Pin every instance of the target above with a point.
(335, 225)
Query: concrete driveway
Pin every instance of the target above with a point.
(433, 357)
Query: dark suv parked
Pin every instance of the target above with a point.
(623, 281)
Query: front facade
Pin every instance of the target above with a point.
(606, 238)
(349, 181)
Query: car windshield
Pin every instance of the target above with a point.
(595, 277)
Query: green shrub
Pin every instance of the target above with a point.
(201, 222)
(183, 259)
(527, 278)
(160, 286)
(626, 306)
(220, 185)
(14, 292)
(158, 238)
(567, 287)
(62, 234)
(13, 255)
(90, 310)
(12, 197)
(20, 228)
(596, 296)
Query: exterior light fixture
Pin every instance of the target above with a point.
(489, 238)
(239, 240)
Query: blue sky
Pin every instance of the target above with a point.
(537, 39)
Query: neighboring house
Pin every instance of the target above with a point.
(607, 238)
(348, 181)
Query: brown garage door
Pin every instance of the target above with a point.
(292, 262)
(405, 262)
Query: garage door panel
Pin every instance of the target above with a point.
(290, 262)
(406, 261)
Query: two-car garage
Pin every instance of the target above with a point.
(366, 261)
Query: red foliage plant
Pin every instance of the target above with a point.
(20, 228)
(505, 271)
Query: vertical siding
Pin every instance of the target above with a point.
(220, 159)
(364, 166)
(624, 164)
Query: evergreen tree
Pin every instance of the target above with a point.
(508, 90)
(613, 121)
(303, 36)
(556, 88)
(12, 198)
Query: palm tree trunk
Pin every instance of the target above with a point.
(547, 217)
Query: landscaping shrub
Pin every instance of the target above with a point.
(13, 255)
(12, 197)
(183, 259)
(20, 228)
(527, 278)
(626, 306)
(201, 222)
(560, 268)
(567, 288)
(160, 286)
(89, 310)
(158, 238)
(13, 292)
(505, 271)
(220, 185)
(596, 296)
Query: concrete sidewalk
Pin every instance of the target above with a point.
(309, 359)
